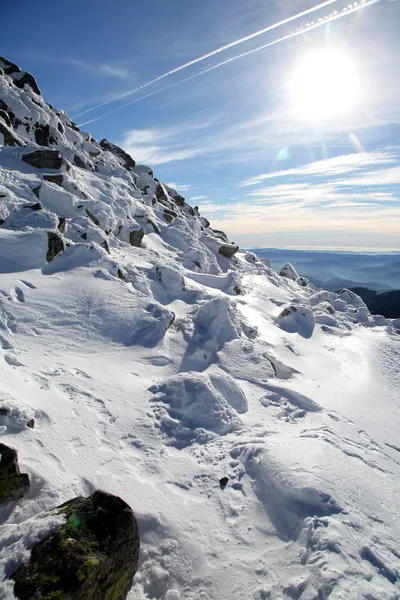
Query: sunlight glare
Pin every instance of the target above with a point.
(325, 84)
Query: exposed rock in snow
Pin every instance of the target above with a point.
(94, 554)
(13, 483)
(287, 270)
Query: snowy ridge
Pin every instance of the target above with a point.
(158, 358)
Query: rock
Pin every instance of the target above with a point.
(5, 116)
(8, 67)
(228, 250)
(154, 226)
(136, 237)
(128, 161)
(140, 169)
(57, 179)
(287, 270)
(223, 482)
(169, 215)
(36, 206)
(62, 223)
(180, 200)
(31, 424)
(13, 483)
(43, 159)
(94, 556)
(55, 245)
(42, 134)
(9, 138)
(302, 281)
(21, 79)
(36, 191)
(221, 235)
(92, 217)
(78, 162)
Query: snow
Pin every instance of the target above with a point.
(156, 385)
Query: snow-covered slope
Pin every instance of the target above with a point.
(158, 359)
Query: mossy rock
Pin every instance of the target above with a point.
(136, 237)
(93, 556)
(13, 483)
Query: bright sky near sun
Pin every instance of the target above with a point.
(288, 135)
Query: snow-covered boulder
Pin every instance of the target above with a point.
(297, 319)
(287, 270)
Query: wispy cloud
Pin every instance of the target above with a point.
(354, 196)
(161, 145)
(183, 187)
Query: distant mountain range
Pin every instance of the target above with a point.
(386, 304)
(379, 272)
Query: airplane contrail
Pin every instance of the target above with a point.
(213, 53)
(354, 8)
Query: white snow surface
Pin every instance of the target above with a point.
(152, 372)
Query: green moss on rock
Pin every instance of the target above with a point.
(93, 556)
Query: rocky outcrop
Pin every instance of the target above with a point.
(287, 270)
(20, 78)
(93, 556)
(43, 159)
(228, 250)
(55, 245)
(13, 483)
(127, 160)
(136, 237)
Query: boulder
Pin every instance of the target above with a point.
(13, 483)
(136, 237)
(55, 245)
(57, 179)
(42, 134)
(128, 161)
(43, 159)
(9, 138)
(21, 79)
(287, 270)
(93, 556)
(228, 250)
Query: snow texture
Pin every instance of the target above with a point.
(155, 366)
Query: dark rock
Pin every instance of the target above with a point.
(55, 245)
(161, 192)
(5, 116)
(36, 191)
(169, 215)
(78, 162)
(27, 79)
(3, 105)
(154, 226)
(223, 482)
(62, 223)
(31, 424)
(221, 235)
(13, 483)
(106, 246)
(60, 127)
(128, 161)
(43, 159)
(84, 236)
(136, 237)
(94, 556)
(228, 251)
(8, 67)
(120, 274)
(180, 200)
(42, 134)
(57, 179)
(237, 289)
(9, 137)
(36, 206)
(92, 218)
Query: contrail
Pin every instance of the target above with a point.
(213, 53)
(354, 8)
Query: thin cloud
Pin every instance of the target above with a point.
(157, 146)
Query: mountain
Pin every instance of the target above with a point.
(387, 304)
(249, 418)
(335, 270)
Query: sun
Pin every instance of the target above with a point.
(325, 84)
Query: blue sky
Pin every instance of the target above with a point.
(234, 139)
